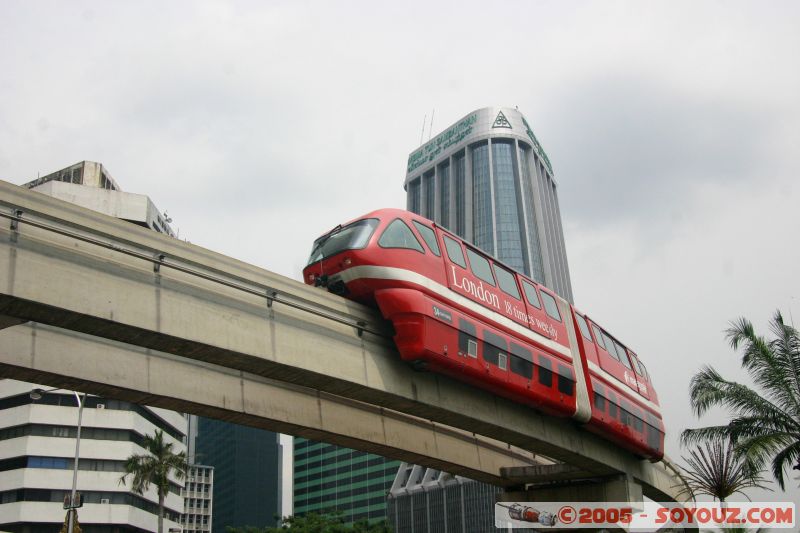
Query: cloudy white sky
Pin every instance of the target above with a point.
(673, 129)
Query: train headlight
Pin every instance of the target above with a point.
(347, 262)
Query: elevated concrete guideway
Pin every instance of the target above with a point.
(194, 330)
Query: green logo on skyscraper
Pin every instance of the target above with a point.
(501, 121)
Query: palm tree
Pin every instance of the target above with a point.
(765, 423)
(155, 467)
(716, 470)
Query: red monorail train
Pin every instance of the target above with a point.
(458, 311)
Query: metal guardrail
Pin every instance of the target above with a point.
(159, 260)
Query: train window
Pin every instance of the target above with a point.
(545, 371)
(638, 367)
(507, 282)
(565, 385)
(429, 237)
(531, 295)
(644, 370)
(623, 356)
(351, 237)
(584, 327)
(480, 267)
(467, 334)
(494, 346)
(521, 361)
(472, 348)
(399, 235)
(566, 380)
(598, 336)
(502, 361)
(599, 402)
(609, 344)
(612, 405)
(454, 252)
(550, 306)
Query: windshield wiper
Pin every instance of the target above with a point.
(322, 240)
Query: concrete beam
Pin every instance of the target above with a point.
(543, 473)
(60, 358)
(608, 489)
(193, 306)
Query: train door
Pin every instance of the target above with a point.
(613, 358)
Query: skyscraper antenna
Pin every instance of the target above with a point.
(422, 133)
(430, 129)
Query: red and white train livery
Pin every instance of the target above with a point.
(458, 311)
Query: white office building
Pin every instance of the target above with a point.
(37, 449)
(37, 437)
(197, 498)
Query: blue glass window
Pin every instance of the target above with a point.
(47, 462)
(536, 267)
(430, 195)
(444, 195)
(483, 226)
(459, 175)
(509, 223)
(414, 194)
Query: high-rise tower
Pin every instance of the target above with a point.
(488, 179)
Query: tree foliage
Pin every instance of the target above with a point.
(765, 423)
(716, 470)
(155, 468)
(316, 523)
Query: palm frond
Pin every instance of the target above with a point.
(717, 470)
(765, 423)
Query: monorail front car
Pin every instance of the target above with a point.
(458, 311)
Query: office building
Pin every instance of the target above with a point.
(37, 437)
(247, 473)
(37, 454)
(425, 500)
(89, 184)
(197, 499)
(488, 179)
(329, 478)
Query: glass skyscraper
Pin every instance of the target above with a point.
(487, 179)
(247, 477)
(329, 478)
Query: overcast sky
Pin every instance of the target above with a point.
(673, 129)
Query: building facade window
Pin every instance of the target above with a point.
(414, 196)
(444, 195)
(430, 195)
(535, 251)
(459, 177)
(510, 248)
(483, 225)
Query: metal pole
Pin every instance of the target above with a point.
(72, 511)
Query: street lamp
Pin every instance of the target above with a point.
(37, 394)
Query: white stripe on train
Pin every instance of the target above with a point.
(402, 274)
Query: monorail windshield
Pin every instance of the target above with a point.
(351, 237)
